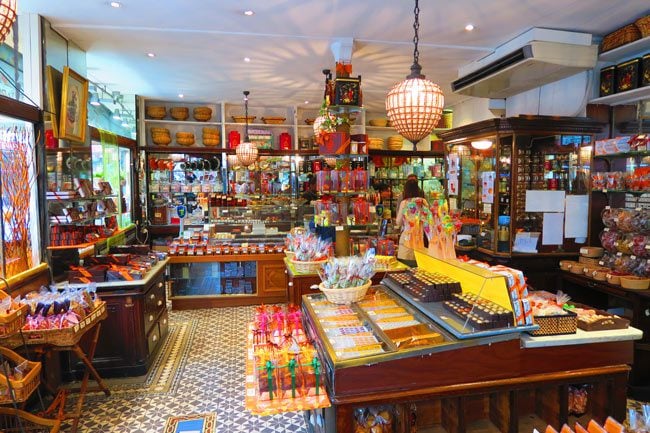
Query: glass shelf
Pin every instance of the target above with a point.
(642, 153)
(626, 191)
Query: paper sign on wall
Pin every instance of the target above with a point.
(487, 186)
(553, 229)
(544, 201)
(577, 216)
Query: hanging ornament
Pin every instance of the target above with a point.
(7, 17)
(415, 105)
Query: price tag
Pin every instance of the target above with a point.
(339, 228)
(633, 257)
(606, 229)
(637, 209)
(619, 254)
(601, 263)
(607, 207)
(605, 191)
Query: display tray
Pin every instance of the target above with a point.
(457, 327)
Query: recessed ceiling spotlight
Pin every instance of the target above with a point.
(180, 95)
(116, 5)
(151, 54)
(306, 102)
(249, 13)
(469, 27)
(247, 59)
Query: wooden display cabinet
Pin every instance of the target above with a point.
(136, 325)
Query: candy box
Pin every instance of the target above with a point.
(95, 273)
(130, 249)
(123, 274)
(111, 259)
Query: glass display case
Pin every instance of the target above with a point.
(523, 181)
(111, 170)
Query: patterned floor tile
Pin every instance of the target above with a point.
(211, 380)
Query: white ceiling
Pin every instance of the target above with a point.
(200, 44)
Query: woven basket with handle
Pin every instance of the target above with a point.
(622, 36)
(643, 24)
(345, 296)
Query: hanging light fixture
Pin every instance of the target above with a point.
(246, 151)
(7, 17)
(481, 144)
(233, 160)
(415, 105)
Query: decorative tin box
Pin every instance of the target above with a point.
(645, 70)
(627, 75)
(607, 80)
(347, 91)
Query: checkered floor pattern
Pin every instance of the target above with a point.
(212, 380)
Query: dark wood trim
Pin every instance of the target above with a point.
(524, 124)
(199, 302)
(406, 153)
(20, 110)
(228, 258)
(121, 140)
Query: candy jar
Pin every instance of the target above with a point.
(624, 220)
(598, 181)
(623, 244)
(608, 239)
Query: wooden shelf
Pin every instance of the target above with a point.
(181, 122)
(220, 150)
(71, 149)
(629, 97)
(626, 191)
(406, 153)
(620, 53)
(261, 125)
(624, 154)
(87, 244)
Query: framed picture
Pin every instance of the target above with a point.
(74, 106)
(54, 79)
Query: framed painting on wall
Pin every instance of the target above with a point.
(54, 79)
(74, 106)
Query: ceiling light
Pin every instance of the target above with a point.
(94, 100)
(151, 54)
(7, 17)
(481, 144)
(180, 95)
(246, 152)
(469, 27)
(247, 59)
(306, 102)
(249, 13)
(415, 105)
(116, 5)
(116, 114)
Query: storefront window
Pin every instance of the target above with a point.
(19, 206)
(11, 66)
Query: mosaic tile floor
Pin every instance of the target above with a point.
(211, 380)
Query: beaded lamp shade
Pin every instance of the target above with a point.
(246, 152)
(415, 105)
(7, 17)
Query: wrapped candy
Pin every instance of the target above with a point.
(345, 272)
(609, 239)
(51, 309)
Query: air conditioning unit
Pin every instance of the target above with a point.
(535, 58)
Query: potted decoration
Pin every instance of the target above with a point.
(347, 279)
(310, 254)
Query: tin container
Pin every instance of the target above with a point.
(627, 75)
(645, 70)
(607, 80)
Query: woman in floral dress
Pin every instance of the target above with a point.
(413, 219)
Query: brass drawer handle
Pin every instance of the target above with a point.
(151, 317)
(159, 303)
(152, 296)
(154, 338)
(160, 284)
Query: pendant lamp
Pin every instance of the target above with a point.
(246, 151)
(7, 17)
(415, 105)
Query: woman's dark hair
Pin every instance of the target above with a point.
(411, 189)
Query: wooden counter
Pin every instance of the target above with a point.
(301, 283)
(603, 295)
(270, 281)
(136, 326)
(482, 384)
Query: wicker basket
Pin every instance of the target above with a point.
(210, 131)
(556, 325)
(156, 112)
(211, 141)
(643, 24)
(290, 254)
(179, 113)
(345, 296)
(18, 421)
(23, 388)
(273, 120)
(242, 119)
(202, 114)
(11, 323)
(307, 267)
(61, 337)
(622, 36)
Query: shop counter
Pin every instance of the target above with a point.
(136, 326)
(301, 283)
(503, 382)
(227, 280)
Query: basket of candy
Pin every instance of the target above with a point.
(60, 318)
(23, 377)
(12, 315)
(549, 314)
(310, 253)
(347, 279)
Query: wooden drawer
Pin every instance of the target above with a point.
(163, 324)
(155, 299)
(153, 338)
